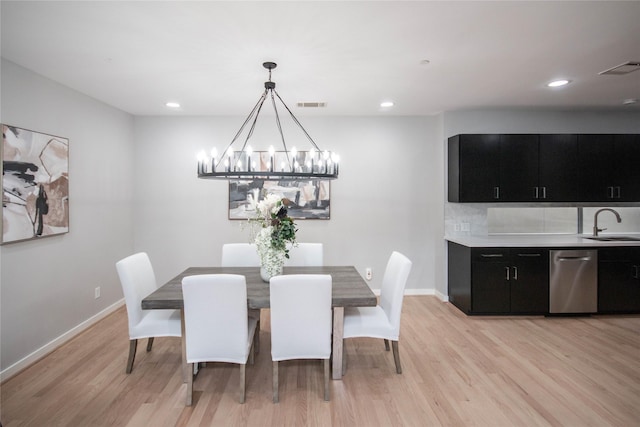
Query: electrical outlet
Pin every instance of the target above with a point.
(464, 226)
(368, 273)
(456, 226)
(97, 292)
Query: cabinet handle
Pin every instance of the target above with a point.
(635, 272)
(491, 255)
(536, 192)
(496, 192)
(529, 255)
(507, 269)
(610, 190)
(515, 273)
(617, 192)
(544, 192)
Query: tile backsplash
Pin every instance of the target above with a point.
(484, 219)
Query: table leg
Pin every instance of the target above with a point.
(185, 365)
(338, 333)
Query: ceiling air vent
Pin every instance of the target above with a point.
(312, 104)
(621, 69)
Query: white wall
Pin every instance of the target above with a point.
(47, 286)
(388, 197)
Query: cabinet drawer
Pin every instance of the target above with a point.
(489, 255)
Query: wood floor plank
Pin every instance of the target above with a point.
(457, 370)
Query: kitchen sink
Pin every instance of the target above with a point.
(614, 238)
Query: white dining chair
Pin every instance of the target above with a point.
(305, 255)
(217, 328)
(243, 255)
(300, 321)
(139, 280)
(240, 255)
(382, 321)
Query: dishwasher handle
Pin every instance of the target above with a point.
(574, 258)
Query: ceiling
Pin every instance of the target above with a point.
(208, 55)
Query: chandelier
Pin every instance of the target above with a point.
(287, 164)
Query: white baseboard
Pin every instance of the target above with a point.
(420, 292)
(49, 347)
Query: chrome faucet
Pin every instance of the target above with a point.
(595, 219)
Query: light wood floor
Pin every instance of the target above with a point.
(457, 371)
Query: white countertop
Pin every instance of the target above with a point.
(540, 240)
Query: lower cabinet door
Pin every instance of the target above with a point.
(529, 282)
(618, 287)
(490, 289)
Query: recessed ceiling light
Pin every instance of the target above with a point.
(630, 101)
(172, 105)
(386, 104)
(558, 83)
(425, 62)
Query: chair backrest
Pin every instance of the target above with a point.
(240, 255)
(138, 280)
(215, 318)
(305, 255)
(300, 316)
(393, 284)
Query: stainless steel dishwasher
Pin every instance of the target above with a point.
(573, 281)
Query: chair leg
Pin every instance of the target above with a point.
(344, 356)
(252, 351)
(149, 343)
(190, 385)
(386, 345)
(276, 398)
(396, 356)
(133, 345)
(243, 382)
(326, 379)
(255, 312)
(256, 337)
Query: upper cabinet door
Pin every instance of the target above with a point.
(595, 168)
(558, 168)
(608, 168)
(519, 168)
(627, 168)
(474, 168)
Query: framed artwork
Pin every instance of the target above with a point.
(309, 199)
(35, 184)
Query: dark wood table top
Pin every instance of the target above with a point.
(349, 288)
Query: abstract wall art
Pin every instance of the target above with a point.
(309, 199)
(35, 184)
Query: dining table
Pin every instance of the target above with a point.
(349, 289)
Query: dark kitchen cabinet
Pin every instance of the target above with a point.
(608, 168)
(512, 168)
(499, 280)
(474, 168)
(619, 280)
(557, 168)
(518, 173)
